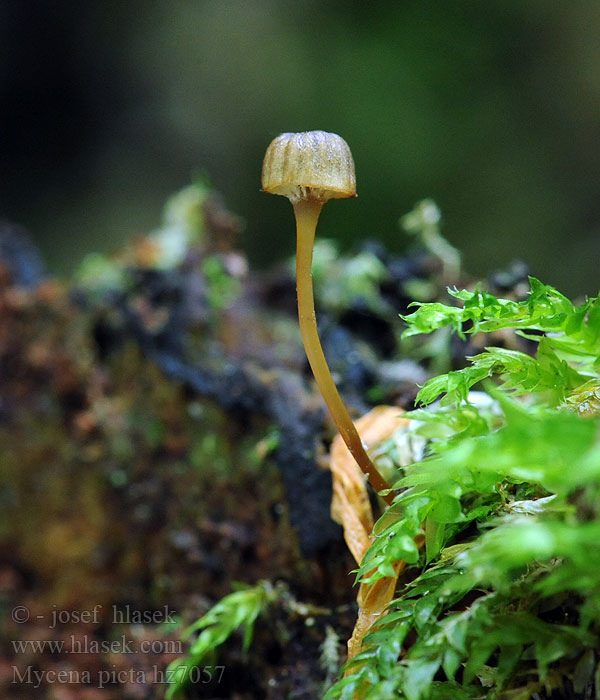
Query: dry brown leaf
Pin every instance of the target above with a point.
(373, 600)
(351, 508)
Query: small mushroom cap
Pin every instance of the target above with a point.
(309, 165)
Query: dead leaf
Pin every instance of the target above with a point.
(351, 508)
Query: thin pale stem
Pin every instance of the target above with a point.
(307, 214)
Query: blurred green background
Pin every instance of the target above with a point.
(491, 108)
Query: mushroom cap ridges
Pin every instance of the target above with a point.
(309, 165)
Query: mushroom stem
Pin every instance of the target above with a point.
(307, 213)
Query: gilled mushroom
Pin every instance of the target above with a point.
(310, 168)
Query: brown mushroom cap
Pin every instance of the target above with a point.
(309, 165)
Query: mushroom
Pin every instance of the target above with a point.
(309, 168)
